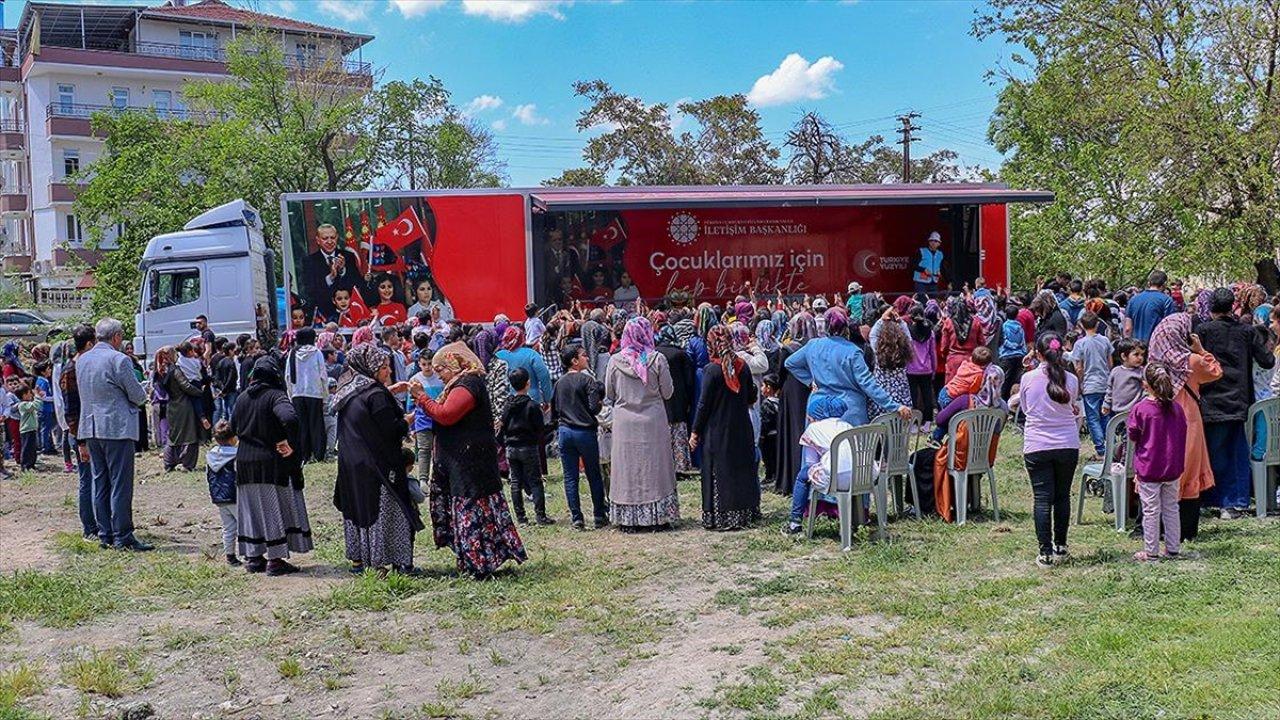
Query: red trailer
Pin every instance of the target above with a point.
(476, 253)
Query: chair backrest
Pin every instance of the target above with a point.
(1117, 438)
(1270, 411)
(897, 440)
(983, 424)
(865, 443)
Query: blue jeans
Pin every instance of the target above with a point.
(88, 524)
(925, 287)
(800, 495)
(112, 462)
(1093, 419)
(223, 406)
(47, 421)
(1229, 458)
(577, 444)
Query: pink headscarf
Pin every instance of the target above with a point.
(325, 340)
(362, 336)
(512, 338)
(637, 346)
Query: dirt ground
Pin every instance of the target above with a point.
(221, 657)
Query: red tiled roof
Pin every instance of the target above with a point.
(219, 11)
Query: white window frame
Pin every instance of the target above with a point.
(75, 232)
(116, 93)
(67, 155)
(164, 109)
(66, 98)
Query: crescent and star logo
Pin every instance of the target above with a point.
(866, 264)
(683, 228)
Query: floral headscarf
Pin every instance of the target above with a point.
(803, 328)
(961, 317)
(362, 336)
(744, 312)
(720, 349)
(837, 322)
(484, 343)
(987, 314)
(685, 331)
(765, 336)
(1171, 345)
(740, 336)
(902, 305)
(363, 364)
(325, 340)
(1202, 307)
(1248, 299)
(780, 320)
(513, 338)
(705, 319)
(667, 336)
(637, 346)
(457, 358)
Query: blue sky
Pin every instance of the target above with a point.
(856, 63)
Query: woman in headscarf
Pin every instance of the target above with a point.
(749, 352)
(1173, 344)
(767, 341)
(744, 312)
(1262, 377)
(638, 382)
(960, 333)
(183, 442)
(596, 341)
(730, 485)
(923, 364)
(379, 518)
(792, 399)
(468, 512)
(518, 355)
(680, 405)
(1050, 318)
(271, 511)
(989, 318)
(362, 336)
(837, 368)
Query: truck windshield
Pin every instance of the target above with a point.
(174, 287)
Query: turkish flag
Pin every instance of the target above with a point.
(403, 230)
(362, 258)
(609, 235)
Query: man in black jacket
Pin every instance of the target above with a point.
(226, 377)
(1237, 344)
(523, 431)
(575, 403)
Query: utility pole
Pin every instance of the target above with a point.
(906, 141)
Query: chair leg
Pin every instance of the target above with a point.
(1120, 499)
(882, 512)
(813, 511)
(915, 491)
(960, 495)
(1080, 503)
(1259, 472)
(844, 503)
(995, 501)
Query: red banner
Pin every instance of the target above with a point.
(719, 253)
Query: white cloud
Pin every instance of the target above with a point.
(344, 9)
(288, 7)
(528, 115)
(673, 112)
(481, 103)
(514, 11)
(499, 125)
(795, 79)
(416, 8)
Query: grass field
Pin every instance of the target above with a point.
(938, 621)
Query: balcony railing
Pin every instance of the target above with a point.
(216, 54)
(84, 111)
(12, 125)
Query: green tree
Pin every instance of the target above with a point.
(576, 177)
(640, 147)
(1155, 123)
(428, 142)
(821, 155)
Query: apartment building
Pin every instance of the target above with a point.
(64, 63)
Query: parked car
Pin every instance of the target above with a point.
(25, 324)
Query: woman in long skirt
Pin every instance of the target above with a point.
(468, 512)
(730, 486)
(372, 491)
(792, 401)
(680, 404)
(270, 509)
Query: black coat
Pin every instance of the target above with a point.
(262, 418)
(466, 452)
(1236, 346)
(723, 425)
(371, 430)
(792, 401)
(683, 378)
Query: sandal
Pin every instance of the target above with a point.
(1142, 556)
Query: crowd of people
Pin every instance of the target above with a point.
(443, 413)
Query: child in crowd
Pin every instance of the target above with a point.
(1091, 355)
(968, 378)
(1124, 386)
(1013, 347)
(331, 420)
(923, 365)
(1158, 429)
(420, 424)
(190, 365)
(221, 474)
(28, 407)
(987, 394)
(522, 431)
(44, 389)
(769, 388)
(409, 461)
(12, 426)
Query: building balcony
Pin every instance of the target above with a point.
(64, 191)
(10, 75)
(76, 119)
(76, 256)
(14, 202)
(190, 59)
(16, 264)
(13, 136)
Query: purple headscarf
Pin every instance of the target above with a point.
(637, 346)
(837, 322)
(484, 343)
(744, 311)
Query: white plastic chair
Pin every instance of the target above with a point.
(897, 462)
(983, 424)
(1117, 438)
(857, 477)
(1270, 411)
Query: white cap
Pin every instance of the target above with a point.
(935, 236)
(854, 287)
(820, 303)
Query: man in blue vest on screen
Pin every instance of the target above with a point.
(930, 267)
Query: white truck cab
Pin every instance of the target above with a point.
(218, 266)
